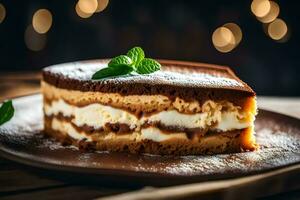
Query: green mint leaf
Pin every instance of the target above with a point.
(114, 70)
(122, 59)
(147, 66)
(6, 112)
(134, 62)
(136, 54)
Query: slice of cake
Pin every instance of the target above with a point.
(185, 108)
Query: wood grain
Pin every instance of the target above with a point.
(250, 187)
(17, 84)
(13, 180)
(63, 193)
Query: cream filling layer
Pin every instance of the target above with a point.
(150, 133)
(97, 115)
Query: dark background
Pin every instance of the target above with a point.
(179, 30)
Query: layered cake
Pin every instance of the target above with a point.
(185, 108)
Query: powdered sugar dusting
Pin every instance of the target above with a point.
(84, 71)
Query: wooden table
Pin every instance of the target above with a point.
(22, 182)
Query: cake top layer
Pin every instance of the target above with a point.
(174, 76)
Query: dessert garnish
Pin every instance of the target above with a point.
(6, 112)
(133, 61)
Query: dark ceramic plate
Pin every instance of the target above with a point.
(21, 140)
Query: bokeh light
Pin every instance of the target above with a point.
(102, 4)
(42, 21)
(222, 36)
(227, 37)
(272, 15)
(260, 8)
(82, 14)
(2, 13)
(277, 29)
(33, 40)
(88, 6)
(236, 31)
(226, 48)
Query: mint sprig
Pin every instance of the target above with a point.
(147, 66)
(115, 70)
(133, 61)
(6, 111)
(136, 54)
(122, 59)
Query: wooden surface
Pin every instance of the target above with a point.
(23, 182)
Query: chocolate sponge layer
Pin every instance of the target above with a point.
(187, 80)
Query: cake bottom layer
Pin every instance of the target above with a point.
(212, 143)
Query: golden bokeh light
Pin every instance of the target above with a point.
(222, 36)
(260, 8)
(102, 4)
(227, 37)
(236, 31)
(2, 13)
(42, 21)
(272, 15)
(33, 40)
(82, 14)
(88, 6)
(223, 39)
(226, 48)
(277, 29)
